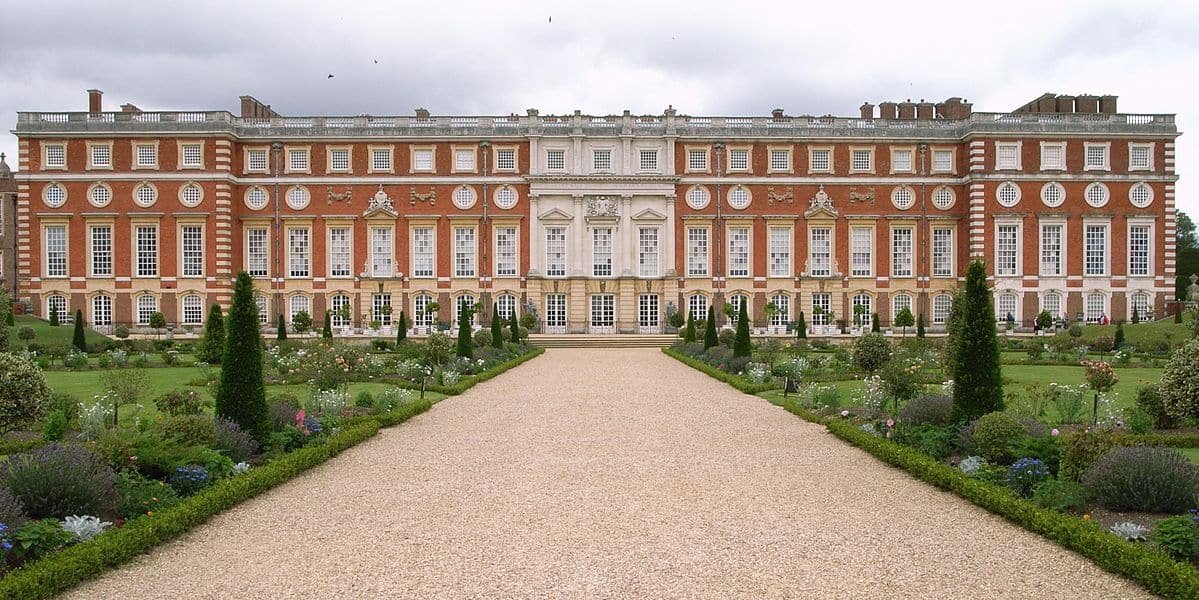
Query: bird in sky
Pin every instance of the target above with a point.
(551, 19)
(330, 76)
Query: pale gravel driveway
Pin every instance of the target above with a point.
(607, 473)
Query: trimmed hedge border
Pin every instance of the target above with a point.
(75, 564)
(733, 380)
(1152, 569)
(469, 382)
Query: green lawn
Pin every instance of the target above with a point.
(50, 336)
(1191, 453)
(1134, 333)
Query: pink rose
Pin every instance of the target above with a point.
(845, 413)
(1055, 432)
(890, 422)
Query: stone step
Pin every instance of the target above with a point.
(601, 340)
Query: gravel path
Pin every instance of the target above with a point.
(607, 473)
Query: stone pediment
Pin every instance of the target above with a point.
(555, 214)
(380, 204)
(821, 205)
(649, 214)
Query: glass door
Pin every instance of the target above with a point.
(555, 313)
(603, 313)
(647, 314)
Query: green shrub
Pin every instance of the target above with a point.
(191, 430)
(1075, 331)
(241, 395)
(57, 480)
(1034, 347)
(1149, 400)
(1081, 450)
(54, 428)
(234, 443)
(180, 402)
(38, 538)
(928, 409)
(1042, 448)
(1145, 479)
(364, 398)
(871, 352)
(1139, 422)
(726, 337)
(137, 495)
(1025, 474)
(482, 338)
(24, 395)
(1061, 496)
(288, 398)
(995, 436)
(977, 381)
(932, 440)
(11, 513)
(1179, 389)
(1178, 536)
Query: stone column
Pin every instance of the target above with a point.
(628, 254)
(666, 250)
(535, 237)
(580, 229)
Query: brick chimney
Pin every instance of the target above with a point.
(954, 108)
(95, 103)
(251, 108)
(1107, 105)
(422, 113)
(1065, 103)
(1087, 104)
(130, 108)
(866, 110)
(777, 114)
(886, 110)
(924, 110)
(907, 109)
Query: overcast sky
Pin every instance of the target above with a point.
(704, 58)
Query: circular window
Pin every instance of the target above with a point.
(54, 195)
(943, 198)
(145, 195)
(464, 197)
(903, 198)
(697, 198)
(190, 195)
(739, 197)
(256, 198)
(505, 197)
(1053, 194)
(1008, 194)
(1096, 194)
(99, 195)
(297, 197)
(1140, 195)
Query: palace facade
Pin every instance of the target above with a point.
(597, 223)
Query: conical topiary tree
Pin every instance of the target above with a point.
(212, 346)
(6, 323)
(741, 344)
(689, 331)
(281, 329)
(801, 327)
(514, 325)
(710, 338)
(466, 346)
(54, 318)
(1119, 338)
(327, 329)
(977, 380)
(497, 327)
(920, 325)
(874, 325)
(78, 340)
(402, 328)
(240, 394)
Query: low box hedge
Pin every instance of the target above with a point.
(75, 564)
(1152, 569)
(468, 382)
(733, 380)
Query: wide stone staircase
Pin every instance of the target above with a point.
(588, 340)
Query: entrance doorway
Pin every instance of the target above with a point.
(648, 314)
(603, 313)
(555, 313)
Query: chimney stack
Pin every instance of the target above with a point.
(777, 114)
(907, 109)
(924, 110)
(94, 103)
(886, 110)
(866, 110)
(1065, 103)
(422, 114)
(130, 108)
(251, 108)
(1087, 104)
(1107, 105)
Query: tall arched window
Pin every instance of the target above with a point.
(782, 310)
(942, 304)
(465, 301)
(1005, 305)
(1096, 307)
(697, 306)
(506, 305)
(102, 311)
(1051, 303)
(898, 303)
(737, 300)
(300, 303)
(193, 309)
(263, 305)
(861, 317)
(56, 305)
(420, 315)
(1140, 307)
(336, 304)
(146, 306)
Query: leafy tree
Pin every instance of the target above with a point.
(977, 379)
(1179, 389)
(26, 334)
(212, 346)
(904, 319)
(327, 330)
(466, 347)
(158, 322)
(402, 328)
(689, 332)
(54, 318)
(1119, 338)
(1184, 235)
(920, 325)
(874, 323)
(78, 340)
(710, 339)
(301, 322)
(24, 395)
(871, 352)
(241, 395)
(801, 327)
(7, 322)
(742, 346)
(280, 328)
(497, 327)
(1044, 320)
(514, 325)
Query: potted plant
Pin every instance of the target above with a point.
(344, 314)
(675, 319)
(385, 311)
(771, 309)
(431, 312)
(375, 325)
